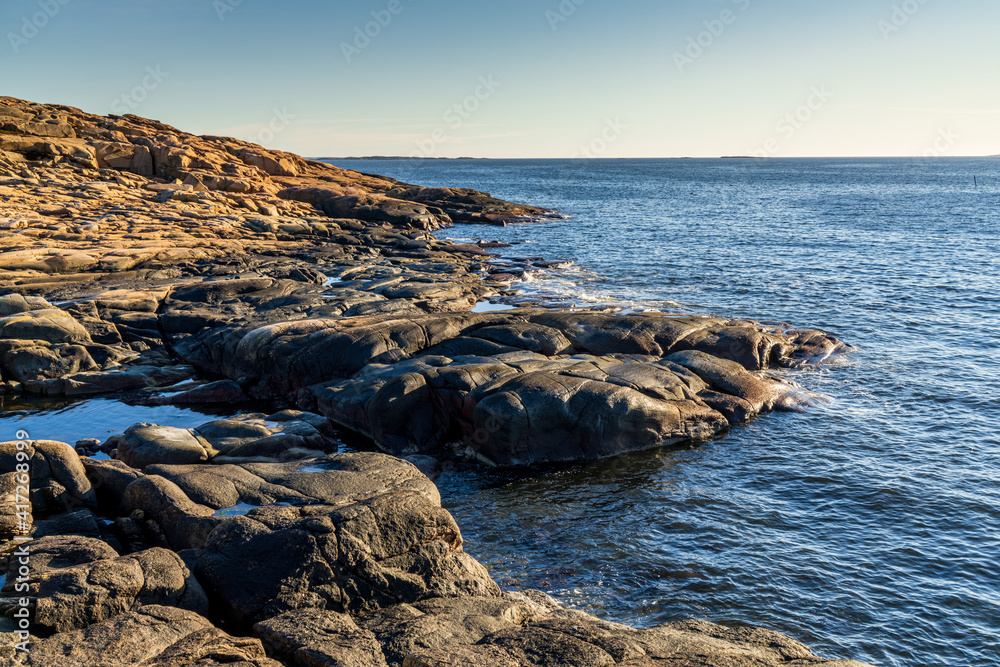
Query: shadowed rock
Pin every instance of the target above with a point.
(57, 479)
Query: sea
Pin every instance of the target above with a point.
(867, 527)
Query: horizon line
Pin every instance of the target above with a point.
(681, 157)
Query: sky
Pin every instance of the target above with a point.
(527, 78)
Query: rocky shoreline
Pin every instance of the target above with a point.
(138, 260)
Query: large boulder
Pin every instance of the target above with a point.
(348, 533)
(12, 304)
(362, 557)
(372, 207)
(114, 380)
(29, 361)
(144, 444)
(333, 480)
(519, 388)
(156, 511)
(109, 480)
(523, 408)
(240, 439)
(58, 552)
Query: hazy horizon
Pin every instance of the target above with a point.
(653, 157)
(545, 79)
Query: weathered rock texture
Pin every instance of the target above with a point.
(109, 216)
(151, 636)
(519, 387)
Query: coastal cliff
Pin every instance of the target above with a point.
(204, 270)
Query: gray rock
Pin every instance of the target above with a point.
(356, 558)
(12, 304)
(574, 639)
(523, 409)
(366, 531)
(411, 383)
(442, 622)
(332, 480)
(58, 552)
(151, 636)
(74, 597)
(145, 444)
(29, 361)
(320, 638)
(82, 522)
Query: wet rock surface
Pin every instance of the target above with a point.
(144, 262)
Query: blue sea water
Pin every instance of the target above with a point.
(869, 527)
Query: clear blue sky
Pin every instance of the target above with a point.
(609, 79)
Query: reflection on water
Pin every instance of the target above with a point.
(69, 421)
